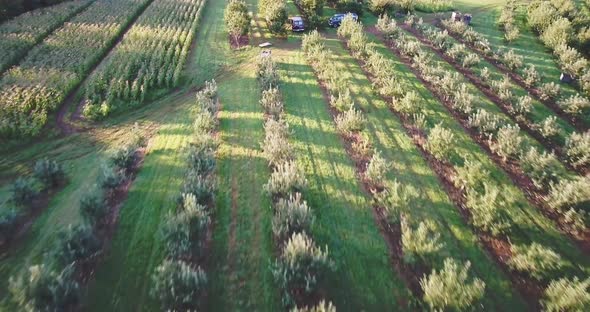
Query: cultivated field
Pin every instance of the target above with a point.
(155, 158)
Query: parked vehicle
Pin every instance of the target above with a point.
(336, 19)
(297, 23)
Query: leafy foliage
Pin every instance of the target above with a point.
(50, 173)
(286, 178)
(508, 142)
(543, 168)
(300, 266)
(488, 211)
(93, 207)
(535, 259)
(567, 295)
(41, 289)
(420, 243)
(178, 286)
(292, 215)
(377, 168)
(577, 148)
(450, 288)
(396, 199)
(8, 224)
(440, 142)
(23, 191)
(75, 244)
(237, 19)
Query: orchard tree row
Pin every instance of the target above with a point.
(21, 33)
(54, 67)
(490, 209)
(180, 282)
(150, 56)
(56, 283)
(301, 264)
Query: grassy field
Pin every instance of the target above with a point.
(242, 246)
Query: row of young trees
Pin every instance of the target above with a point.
(301, 264)
(22, 32)
(54, 67)
(570, 60)
(150, 56)
(450, 285)
(504, 138)
(575, 105)
(379, 7)
(484, 200)
(48, 175)
(519, 108)
(507, 21)
(55, 284)
(560, 25)
(179, 282)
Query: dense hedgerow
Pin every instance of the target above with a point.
(301, 265)
(577, 149)
(19, 34)
(75, 244)
(40, 288)
(451, 288)
(535, 259)
(292, 215)
(567, 295)
(421, 242)
(178, 285)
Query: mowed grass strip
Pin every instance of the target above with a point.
(364, 278)
(242, 249)
(409, 168)
(122, 281)
(531, 225)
